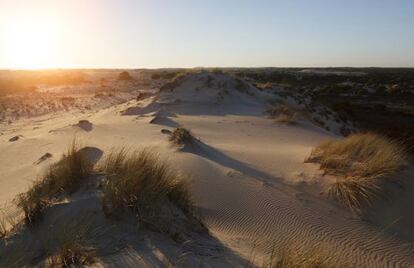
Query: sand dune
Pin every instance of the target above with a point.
(244, 168)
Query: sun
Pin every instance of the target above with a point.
(31, 43)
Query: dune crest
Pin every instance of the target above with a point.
(242, 143)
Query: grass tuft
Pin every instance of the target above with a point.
(288, 119)
(362, 163)
(300, 257)
(181, 136)
(69, 243)
(7, 222)
(310, 259)
(72, 244)
(72, 257)
(141, 182)
(283, 114)
(264, 86)
(4, 224)
(63, 177)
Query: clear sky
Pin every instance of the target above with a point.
(190, 33)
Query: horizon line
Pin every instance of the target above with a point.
(205, 67)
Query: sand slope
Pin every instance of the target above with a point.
(245, 168)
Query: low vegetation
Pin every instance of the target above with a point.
(4, 223)
(71, 247)
(297, 256)
(28, 81)
(362, 164)
(125, 76)
(142, 183)
(70, 243)
(8, 221)
(139, 185)
(174, 82)
(73, 256)
(4, 227)
(181, 136)
(264, 86)
(300, 258)
(63, 177)
(289, 118)
(283, 114)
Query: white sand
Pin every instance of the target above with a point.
(249, 180)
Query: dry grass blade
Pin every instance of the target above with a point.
(140, 182)
(63, 177)
(355, 193)
(71, 244)
(299, 257)
(8, 221)
(362, 163)
(4, 224)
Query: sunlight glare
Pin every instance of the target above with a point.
(31, 43)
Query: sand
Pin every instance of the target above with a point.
(249, 182)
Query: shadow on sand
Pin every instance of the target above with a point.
(194, 109)
(201, 149)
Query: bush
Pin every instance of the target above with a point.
(361, 162)
(264, 86)
(63, 177)
(289, 118)
(142, 183)
(125, 76)
(283, 114)
(181, 136)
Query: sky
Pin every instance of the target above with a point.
(209, 33)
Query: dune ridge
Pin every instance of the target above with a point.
(244, 167)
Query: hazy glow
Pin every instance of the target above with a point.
(189, 33)
(46, 34)
(31, 43)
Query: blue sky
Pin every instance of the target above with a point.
(184, 33)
